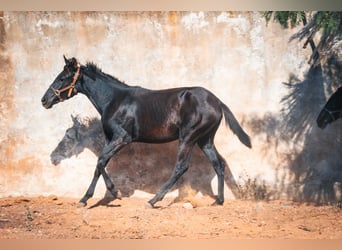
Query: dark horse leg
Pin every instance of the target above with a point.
(189, 136)
(182, 164)
(217, 161)
(108, 151)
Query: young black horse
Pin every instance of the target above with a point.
(134, 114)
(332, 110)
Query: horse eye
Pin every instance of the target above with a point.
(64, 77)
(70, 134)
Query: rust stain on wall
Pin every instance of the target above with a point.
(7, 76)
(13, 170)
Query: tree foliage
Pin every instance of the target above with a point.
(286, 18)
(326, 26)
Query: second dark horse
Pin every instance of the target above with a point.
(332, 110)
(135, 114)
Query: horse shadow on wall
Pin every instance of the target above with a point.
(139, 166)
(313, 156)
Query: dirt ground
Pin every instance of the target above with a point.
(130, 218)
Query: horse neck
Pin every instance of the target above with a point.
(102, 91)
(94, 144)
(93, 138)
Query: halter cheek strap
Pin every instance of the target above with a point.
(71, 87)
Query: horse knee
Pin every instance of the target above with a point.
(219, 168)
(102, 162)
(181, 169)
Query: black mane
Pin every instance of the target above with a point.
(94, 72)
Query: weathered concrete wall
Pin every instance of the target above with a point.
(235, 55)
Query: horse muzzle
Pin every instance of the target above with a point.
(322, 121)
(48, 102)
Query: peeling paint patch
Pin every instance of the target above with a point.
(240, 25)
(194, 21)
(52, 24)
(223, 18)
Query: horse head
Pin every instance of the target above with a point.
(64, 86)
(71, 144)
(331, 111)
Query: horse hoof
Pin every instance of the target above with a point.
(118, 195)
(148, 205)
(217, 203)
(81, 204)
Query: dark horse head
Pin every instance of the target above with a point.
(332, 110)
(64, 86)
(84, 133)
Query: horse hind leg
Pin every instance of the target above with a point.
(186, 144)
(230, 180)
(192, 129)
(217, 162)
(181, 166)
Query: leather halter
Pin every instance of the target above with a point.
(71, 87)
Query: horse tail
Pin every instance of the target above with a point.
(235, 126)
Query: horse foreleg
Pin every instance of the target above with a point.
(108, 151)
(91, 188)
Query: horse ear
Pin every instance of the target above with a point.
(74, 62)
(75, 120)
(65, 59)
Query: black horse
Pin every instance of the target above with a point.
(332, 110)
(134, 114)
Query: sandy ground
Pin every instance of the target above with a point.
(130, 218)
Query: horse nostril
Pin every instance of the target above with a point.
(43, 100)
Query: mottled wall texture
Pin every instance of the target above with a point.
(234, 54)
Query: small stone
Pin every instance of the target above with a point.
(188, 205)
(261, 224)
(53, 197)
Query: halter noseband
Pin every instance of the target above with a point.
(71, 87)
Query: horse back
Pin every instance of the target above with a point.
(161, 114)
